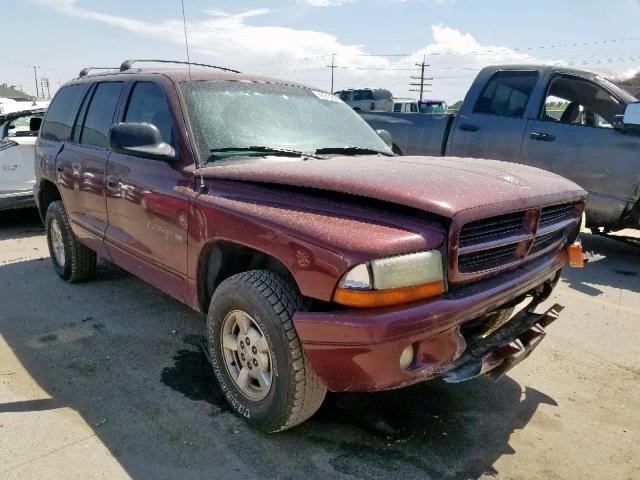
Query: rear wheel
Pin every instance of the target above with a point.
(71, 260)
(256, 354)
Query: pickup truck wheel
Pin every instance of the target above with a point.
(256, 354)
(71, 260)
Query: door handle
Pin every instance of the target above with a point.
(467, 127)
(544, 137)
(113, 182)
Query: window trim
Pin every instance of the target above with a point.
(537, 74)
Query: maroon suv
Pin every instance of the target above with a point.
(322, 260)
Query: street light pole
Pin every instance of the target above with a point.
(35, 76)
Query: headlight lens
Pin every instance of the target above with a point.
(394, 280)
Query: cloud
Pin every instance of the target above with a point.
(229, 38)
(325, 3)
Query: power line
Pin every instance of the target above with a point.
(422, 79)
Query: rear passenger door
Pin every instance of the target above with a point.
(148, 211)
(82, 163)
(493, 125)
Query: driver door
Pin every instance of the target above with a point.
(17, 153)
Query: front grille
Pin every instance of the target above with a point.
(488, 228)
(487, 259)
(544, 241)
(503, 241)
(557, 213)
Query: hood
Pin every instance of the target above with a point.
(443, 186)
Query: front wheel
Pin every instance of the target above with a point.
(71, 260)
(256, 354)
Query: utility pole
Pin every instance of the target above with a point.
(332, 67)
(44, 82)
(35, 76)
(422, 78)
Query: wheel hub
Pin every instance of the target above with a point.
(247, 355)
(57, 243)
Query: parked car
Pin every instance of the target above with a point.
(321, 260)
(18, 133)
(419, 106)
(367, 99)
(593, 142)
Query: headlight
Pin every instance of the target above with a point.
(394, 280)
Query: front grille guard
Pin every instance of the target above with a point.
(504, 348)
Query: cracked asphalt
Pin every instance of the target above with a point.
(106, 379)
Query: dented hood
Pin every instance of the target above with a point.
(444, 186)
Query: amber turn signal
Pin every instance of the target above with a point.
(576, 258)
(382, 298)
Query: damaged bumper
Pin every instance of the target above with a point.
(359, 350)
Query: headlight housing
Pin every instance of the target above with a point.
(393, 280)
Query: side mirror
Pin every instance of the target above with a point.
(386, 137)
(631, 118)
(140, 140)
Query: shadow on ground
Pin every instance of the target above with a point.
(612, 262)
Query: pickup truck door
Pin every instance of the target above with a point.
(580, 143)
(146, 201)
(491, 123)
(81, 164)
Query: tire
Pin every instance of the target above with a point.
(268, 302)
(72, 261)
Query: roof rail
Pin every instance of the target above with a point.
(127, 64)
(85, 71)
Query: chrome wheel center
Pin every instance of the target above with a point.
(246, 354)
(57, 244)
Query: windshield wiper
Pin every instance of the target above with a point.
(351, 150)
(260, 149)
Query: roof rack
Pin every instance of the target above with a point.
(127, 64)
(85, 71)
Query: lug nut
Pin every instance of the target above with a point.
(242, 356)
(241, 344)
(249, 366)
(254, 350)
(248, 341)
(255, 362)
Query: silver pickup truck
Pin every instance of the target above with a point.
(594, 141)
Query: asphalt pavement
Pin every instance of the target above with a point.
(107, 379)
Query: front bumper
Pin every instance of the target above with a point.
(359, 350)
(19, 199)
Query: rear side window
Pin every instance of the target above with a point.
(60, 115)
(148, 104)
(507, 93)
(99, 116)
(397, 107)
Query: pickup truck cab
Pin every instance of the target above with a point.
(504, 117)
(321, 260)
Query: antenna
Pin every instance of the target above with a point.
(186, 38)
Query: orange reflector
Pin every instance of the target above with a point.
(381, 298)
(576, 258)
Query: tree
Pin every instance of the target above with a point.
(456, 106)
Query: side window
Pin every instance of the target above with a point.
(507, 93)
(414, 108)
(148, 104)
(60, 115)
(99, 116)
(397, 107)
(344, 96)
(578, 101)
